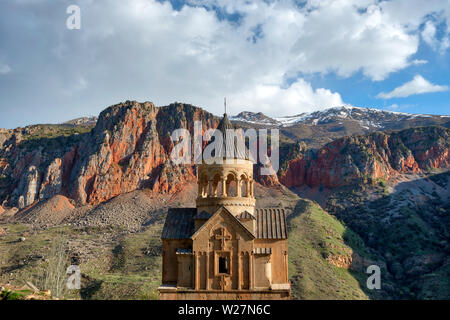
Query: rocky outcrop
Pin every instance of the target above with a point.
(128, 148)
(5, 135)
(364, 158)
(30, 186)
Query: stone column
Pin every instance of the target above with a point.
(247, 188)
(238, 187)
(210, 188)
(224, 186)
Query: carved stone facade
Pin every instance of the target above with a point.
(225, 248)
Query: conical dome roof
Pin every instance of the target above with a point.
(239, 152)
(225, 124)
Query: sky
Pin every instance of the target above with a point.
(279, 57)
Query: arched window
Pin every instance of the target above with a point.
(231, 186)
(223, 265)
(217, 186)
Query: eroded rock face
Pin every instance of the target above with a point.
(378, 155)
(52, 181)
(128, 148)
(29, 185)
(270, 180)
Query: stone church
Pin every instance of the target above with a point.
(225, 248)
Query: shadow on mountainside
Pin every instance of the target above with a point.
(407, 230)
(326, 259)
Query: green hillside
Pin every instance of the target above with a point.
(120, 265)
(315, 238)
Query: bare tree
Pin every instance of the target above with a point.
(54, 277)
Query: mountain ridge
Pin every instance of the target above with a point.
(128, 149)
(314, 117)
(118, 174)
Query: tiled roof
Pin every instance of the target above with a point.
(270, 223)
(179, 223)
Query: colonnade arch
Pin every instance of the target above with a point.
(225, 184)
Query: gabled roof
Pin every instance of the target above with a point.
(179, 223)
(271, 223)
(223, 209)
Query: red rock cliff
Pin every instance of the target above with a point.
(379, 155)
(129, 148)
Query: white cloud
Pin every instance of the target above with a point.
(428, 34)
(5, 69)
(417, 85)
(298, 97)
(146, 50)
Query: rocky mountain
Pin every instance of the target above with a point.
(366, 158)
(255, 118)
(320, 127)
(128, 148)
(383, 177)
(83, 121)
(368, 118)
(405, 223)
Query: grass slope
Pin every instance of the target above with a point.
(121, 265)
(314, 236)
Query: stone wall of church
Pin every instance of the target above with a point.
(222, 239)
(170, 260)
(278, 261)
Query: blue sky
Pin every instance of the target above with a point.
(279, 57)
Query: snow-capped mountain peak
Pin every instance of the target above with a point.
(368, 118)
